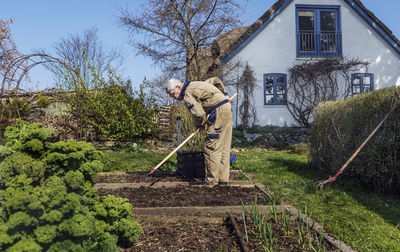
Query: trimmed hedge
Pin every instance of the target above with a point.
(340, 127)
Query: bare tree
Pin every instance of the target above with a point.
(156, 89)
(317, 80)
(8, 49)
(246, 109)
(81, 52)
(179, 33)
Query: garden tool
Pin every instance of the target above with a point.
(320, 184)
(177, 148)
(172, 153)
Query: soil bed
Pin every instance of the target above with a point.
(188, 196)
(185, 235)
(192, 235)
(138, 177)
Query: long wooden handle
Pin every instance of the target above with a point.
(172, 153)
(233, 96)
(177, 148)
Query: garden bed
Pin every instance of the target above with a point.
(181, 214)
(158, 176)
(191, 234)
(188, 196)
(184, 235)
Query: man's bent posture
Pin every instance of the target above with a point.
(209, 103)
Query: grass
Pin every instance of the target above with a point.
(136, 161)
(364, 220)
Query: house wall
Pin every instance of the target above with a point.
(273, 50)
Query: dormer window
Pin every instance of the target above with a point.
(318, 31)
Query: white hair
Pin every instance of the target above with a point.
(172, 83)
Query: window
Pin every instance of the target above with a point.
(362, 82)
(274, 89)
(318, 31)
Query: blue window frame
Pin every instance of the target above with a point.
(362, 82)
(318, 31)
(275, 89)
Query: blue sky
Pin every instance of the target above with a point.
(38, 24)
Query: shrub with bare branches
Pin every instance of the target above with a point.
(317, 80)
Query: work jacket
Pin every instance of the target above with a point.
(202, 96)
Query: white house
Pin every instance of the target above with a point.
(294, 30)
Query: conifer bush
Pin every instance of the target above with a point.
(48, 201)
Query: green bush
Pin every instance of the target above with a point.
(23, 136)
(48, 201)
(116, 115)
(43, 101)
(43, 217)
(107, 108)
(300, 148)
(340, 128)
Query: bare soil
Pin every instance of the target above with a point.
(184, 196)
(138, 177)
(188, 233)
(185, 235)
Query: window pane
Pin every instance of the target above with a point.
(367, 88)
(306, 31)
(356, 81)
(328, 21)
(269, 98)
(306, 20)
(328, 31)
(269, 90)
(280, 89)
(356, 89)
(281, 99)
(269, 80)
(367, 80)
(280, 80)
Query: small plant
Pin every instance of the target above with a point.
(268, 227)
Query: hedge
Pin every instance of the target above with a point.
(340, 127)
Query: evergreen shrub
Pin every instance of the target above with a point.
(340, 127)
(48, 200)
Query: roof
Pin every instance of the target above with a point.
(280, 5)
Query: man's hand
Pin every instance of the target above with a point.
(201, 126)
(201, 129)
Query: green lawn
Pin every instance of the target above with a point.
(363, 220)
(136, 161)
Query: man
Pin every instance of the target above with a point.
(209, 103)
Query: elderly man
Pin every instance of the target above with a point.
(209, 103)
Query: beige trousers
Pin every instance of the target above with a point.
(217, 146)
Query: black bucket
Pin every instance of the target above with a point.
(191, 164)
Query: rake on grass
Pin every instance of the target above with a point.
(320, 184)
